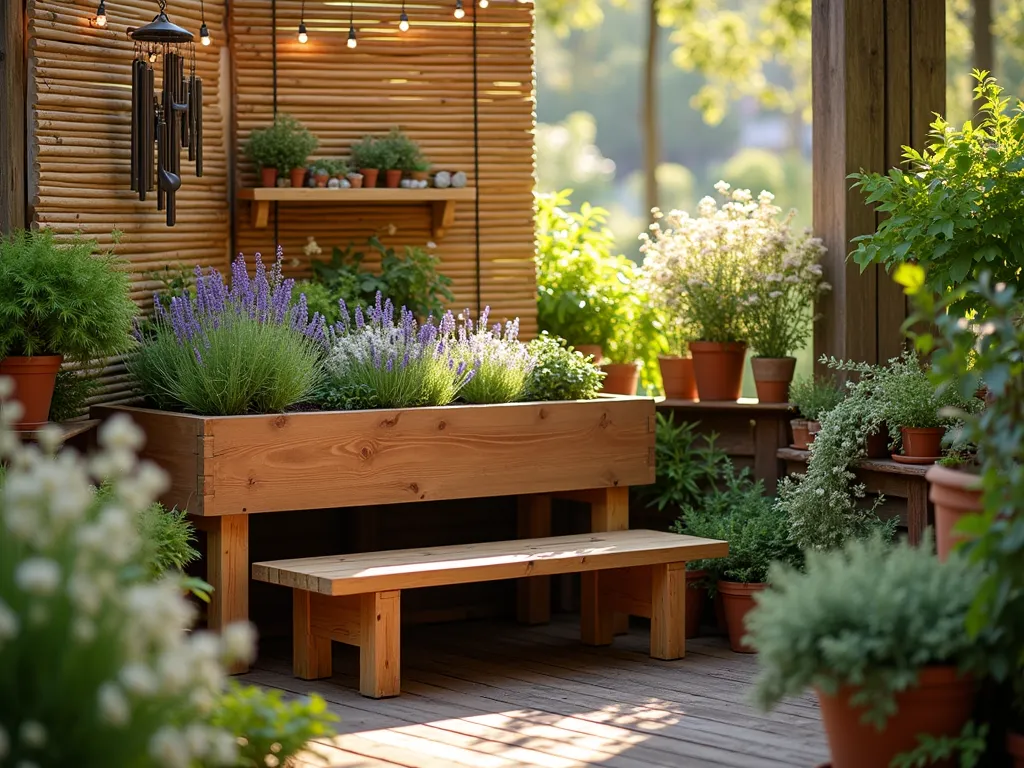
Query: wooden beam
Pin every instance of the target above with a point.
(13, 91)
(878, 75)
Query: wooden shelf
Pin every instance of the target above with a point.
(744, 404)
(441, 201)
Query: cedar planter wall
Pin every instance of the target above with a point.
(79, 139)
(422, 81)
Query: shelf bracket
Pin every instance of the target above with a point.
(260, 213)
(442, 217)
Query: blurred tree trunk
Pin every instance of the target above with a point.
(652, 139)
(984, 49)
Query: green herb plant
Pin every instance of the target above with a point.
(285, 144)
(560, 373)
(813, 397)
(405, 151)
(368, 153)
(870, 615)
(968, 747)
(686, 464)
(60, 297)
(958, 208)
(71, 393)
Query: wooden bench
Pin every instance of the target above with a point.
(355, 599)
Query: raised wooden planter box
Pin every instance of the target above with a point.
(225, 468)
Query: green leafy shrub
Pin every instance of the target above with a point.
(686, 464)
(406, 152)
(814, 397)
(561, 373)
(286, 144)
(958, 209)
(221, 352)
(61, 298)
(369, 152)
(740, 513)
(269, 729)
(869, 615)
(912, 399)
(71, 392)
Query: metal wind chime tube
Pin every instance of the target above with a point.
(172, 122)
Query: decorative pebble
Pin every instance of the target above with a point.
(442, 179)
(334, 183)
(459, 179)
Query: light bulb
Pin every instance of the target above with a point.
(101, 14)
(303, 37)
(204, 34)
(403, 24)
(483, 3)
(351, 37)
(459, 12)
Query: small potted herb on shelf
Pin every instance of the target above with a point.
(812, 398)
(59, 301)
(321, 173)
(264, 149)
(879, 633)
(287, 144)
(419, 172)
(367, 158)
(758, 534)
(400, 154)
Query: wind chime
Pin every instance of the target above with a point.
(172, 122)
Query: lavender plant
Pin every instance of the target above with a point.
(395, 363)
(502, 362)
(221, 351)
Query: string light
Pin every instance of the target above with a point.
(403, 20)
(303, 37)
(351, 28)
(483, 3)
(459, 12)
(204, 31)
(101, 14)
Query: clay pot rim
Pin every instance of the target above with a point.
(620, 366)
(740, 587)
(799, 422)
(675, 357)
(765, 357)
(707, 346)
(953, 478)
(923, 430)
(32, 361)
(696, 575)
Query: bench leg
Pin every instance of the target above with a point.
(609, 511)
(379, 626)
(534, 593)
(668, 611)
(596, 616)
(311, 654)
(227, 570)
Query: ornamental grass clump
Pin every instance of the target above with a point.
(380, 361)
(221, 351)
(871, 616)
(502, 362)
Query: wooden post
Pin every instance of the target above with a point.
(878, 75)
(380, 645)
(311, 654)
(668, 611)
(610, 512)
(534, 594)
(596, 617)
(227, 570)
(13, 91)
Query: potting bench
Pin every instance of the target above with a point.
(887, 477)
(749, 431)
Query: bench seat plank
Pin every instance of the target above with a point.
(435, 566)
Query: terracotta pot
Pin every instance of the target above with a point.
(718, 368)
(34, 378)
(696, 593)
(720, 622)
(876, 446)
(813, 428)
(677, 377)
(1015, 749)
(922, 443)
(801, 434)
(738, 600)
(392, 178)
(772, 377)
(268, 177)
(322, 179)
(620, 378)
(298, 177)
(955, 494)
(419, 175)
(355, 179)
(369, 177)
(939, 706)
(588, 350)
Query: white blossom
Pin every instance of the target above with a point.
(8, 623)
(38, 576)
(5, 740)
(169, 749)
(138, 679)
(33, 734)
(113, 705)
(239, 641)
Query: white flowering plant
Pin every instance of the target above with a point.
(96, 664)
(789, 274)
(701, 270)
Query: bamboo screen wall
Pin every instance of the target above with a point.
(80, 102)
(422, 81)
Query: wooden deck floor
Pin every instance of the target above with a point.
(494, 694)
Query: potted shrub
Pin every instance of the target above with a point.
(708, 288)
(264, 149)
(758, 534)
(292, 144)
(321, 173)
(812, 398)
(420, 171)
(355, 180)
(398, 154)
(879, 633)
(632, 329)
(789, 275)
(59, 301)
(677, 378)
(367, 158)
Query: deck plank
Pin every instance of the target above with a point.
(481, 694)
